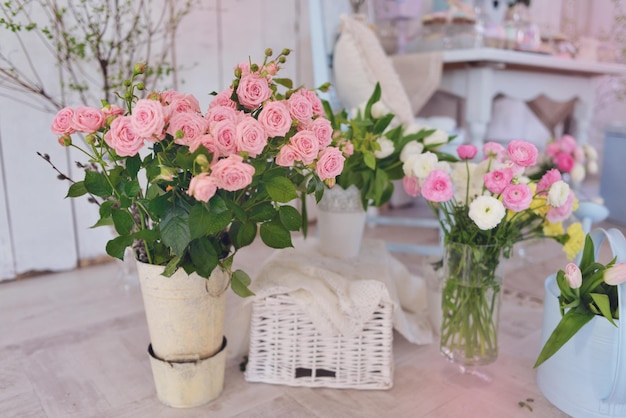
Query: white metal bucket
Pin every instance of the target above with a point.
(587, 376)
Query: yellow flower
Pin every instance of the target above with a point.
(576, 240)
(539, 205)
(553, 229)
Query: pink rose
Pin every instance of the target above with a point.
(232, 173)
(573, 275)
(223, 98)
(87, 119)
(286, 156)
(523, 153)
(616, 274)
(497, 180)
(203, 187)
(244, 67)
(220, 113)
(467, 151)
(169, 96)
(348, 148)
(185, 127)
(250, 136)
(411, 185)
(330, 163)
(306, 146)
(225, 134)
(188, 103)
(271, 68)
(517, 197)
(300, 107)
(437, 187)
(564, 162)
(548, 179)
(112, 110)
(62, 122)
(323, 130)
(493, 150)
(275, 118)
(253, 90)
(148, 119)
(207, 141)
(316, 103)
(561, 213)
(122, 137)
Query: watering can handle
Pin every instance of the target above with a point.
(617, 394)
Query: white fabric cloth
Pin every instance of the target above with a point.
(340, 295)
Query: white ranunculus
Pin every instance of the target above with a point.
(424, 164)
(379, 109)
(386, 148)
(438, 137)
(486, 212)
(558, 193)
(578, 173)
(590, 152)
(592, 167)
(413, 148)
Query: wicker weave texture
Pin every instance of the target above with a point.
(285, 348)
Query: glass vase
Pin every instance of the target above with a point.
(471, 293)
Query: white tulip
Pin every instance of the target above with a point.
(438, 137)
(411, 149)
(386, 148)
(379, 109)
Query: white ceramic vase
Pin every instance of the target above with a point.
(185, 315)
(341, 221)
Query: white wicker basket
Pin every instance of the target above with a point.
(285, 348)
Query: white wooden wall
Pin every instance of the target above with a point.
(42, 231)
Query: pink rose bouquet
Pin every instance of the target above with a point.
(188, 189)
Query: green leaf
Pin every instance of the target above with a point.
(133, 165)
(376, 95)
(603, 302)
(290, 217)
(105, 209)
(588, 253)
(569, 325)
(239, 282)
(97, 184)
(262, 212)
(132, 188)
(175, 231)
(117, 246)
(171, 267)
(280, 189)
(106, 221)
(286, 82)
(382, 123)
(76, 189)
(275, 235)
(243, 234)
(122, 220)
(203, 221)
(369, 159)
(203, 256)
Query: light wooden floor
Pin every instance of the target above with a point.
(74, 344)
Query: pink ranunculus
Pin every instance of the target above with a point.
(437, 187)
(548, 179)
(411, 185)
(62, 122)
(573, 275)
(306, 146)
(579, 154)
(286, 156)
(553, 149)
(467, 151)
(122, 137)
(564, 162)
(616, 274)
(112, 110)
(300, 107)
(522, 153)
(561, 213)
(148, 119)
(225, 134)
(223, 98)
(202, 187)
(275, 118)
(323, 130)
(493, 150)
(232, 173)
(250, 136)
(568, 144)
(517, 197)
(220, 113)
(497, 180)
(191, 125)
(316, 103)
(253, 90)
(87, 119)
(330, 163)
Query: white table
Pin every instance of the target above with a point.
(478, 75)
